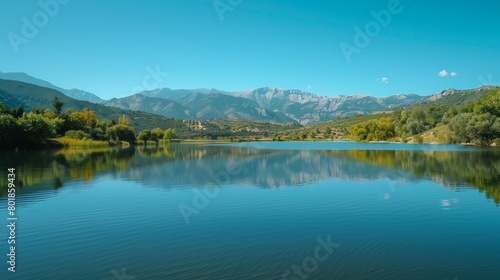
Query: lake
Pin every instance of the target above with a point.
(263, 210)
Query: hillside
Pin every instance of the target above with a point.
(337, 129)
(14, 93)
(159, 106)
(456, 97)
(73, 93)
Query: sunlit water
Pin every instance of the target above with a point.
(256, 211)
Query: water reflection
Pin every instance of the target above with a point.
(188, 165)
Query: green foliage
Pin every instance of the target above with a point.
(121, 132)
(303, 135)
(418, 139)
(490, 103)
(373, 130)
(339, 128)
(97, 133)
(4, 109)
(36, 128)
(15, 112)
(450, 114)
(328, 131)
(76, 134)
(124, 120)
(418, 119)
(481, 123)
(458, 125)
(483, 128)
(9, 131)
(18, 111)
(57, 105)
(59, 125)
(277, 137)
(169, 134)
(157, 134)
(144, 135)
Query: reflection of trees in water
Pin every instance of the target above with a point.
(191, 164)
(56, 167)
(85, 164)
(478, 168)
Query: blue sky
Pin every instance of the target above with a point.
(111, 47)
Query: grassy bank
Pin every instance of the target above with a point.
(80, 143)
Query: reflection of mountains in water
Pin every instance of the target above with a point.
(184, 165)
(276, 168)
(262, 168)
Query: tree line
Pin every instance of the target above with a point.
(477, 122)
(19, 129)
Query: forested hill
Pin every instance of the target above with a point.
(15, 93)
(456, 97)
(477, 122)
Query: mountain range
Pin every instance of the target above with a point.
(263, 104)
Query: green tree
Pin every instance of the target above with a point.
(157, 134)
(418, 121)
(83, 120)
(97, 133)
(303, 135)
(415, 127)
(328, 131)
(121, 132)
(35, 129)
(4, 109)
(57, 105)
(169, 134)
(450, 114)
(481, 123)
(144, 135)
(458, 125)
(124, 120)
(59, 125)
(418, 114)
(373, 130)
(10, 131)
(37, 110)
(490, 103)
(483, 129)
(18, 111)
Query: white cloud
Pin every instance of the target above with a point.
(384, 80)
(443, 73)
(309, 86)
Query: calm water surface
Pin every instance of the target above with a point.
(256, 211)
